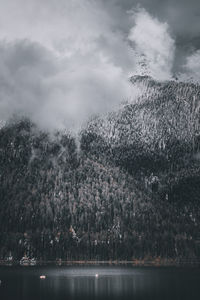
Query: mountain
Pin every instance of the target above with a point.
(128, 189)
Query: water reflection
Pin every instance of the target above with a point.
(111, 283)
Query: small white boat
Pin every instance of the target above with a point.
(42, 277)
(26, 261)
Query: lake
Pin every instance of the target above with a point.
(99, 282)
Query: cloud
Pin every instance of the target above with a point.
(57, 92)
(182, 15)
(151, 39)
(64, 27)
(61, 63)
(191, 68)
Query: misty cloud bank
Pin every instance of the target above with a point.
(57, 92)
(152, 39)
(62, 63)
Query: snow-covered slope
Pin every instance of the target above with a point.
(128, 189)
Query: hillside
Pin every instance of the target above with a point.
(129, 190)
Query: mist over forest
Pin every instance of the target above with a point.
(99, 130)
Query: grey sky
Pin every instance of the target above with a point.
(183, 16)
(63, 60)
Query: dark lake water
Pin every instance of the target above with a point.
(65, 283)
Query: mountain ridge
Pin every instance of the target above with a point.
(130, 191)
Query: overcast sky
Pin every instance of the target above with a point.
(63, 60)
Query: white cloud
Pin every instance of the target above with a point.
(57, 92)
(65, 27)
(151, 38)
(192, 67)
(61, 62)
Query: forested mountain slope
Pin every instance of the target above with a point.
(129, 190)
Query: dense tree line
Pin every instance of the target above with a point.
(130, 190)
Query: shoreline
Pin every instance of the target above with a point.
(133, 263)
